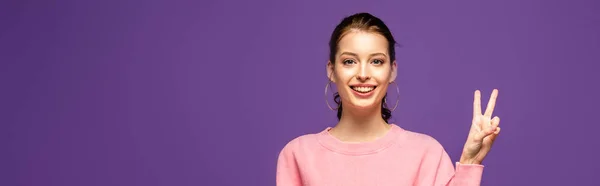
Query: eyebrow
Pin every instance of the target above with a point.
(356, 55)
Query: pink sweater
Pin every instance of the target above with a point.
(401, 157)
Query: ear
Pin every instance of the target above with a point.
(330, 71)
(394, 71)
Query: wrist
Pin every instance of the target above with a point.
(465, 161)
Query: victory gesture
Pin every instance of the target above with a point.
(483, 132)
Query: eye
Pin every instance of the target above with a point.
(348, 61)
(377, 61)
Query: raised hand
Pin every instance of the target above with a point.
(483, 132)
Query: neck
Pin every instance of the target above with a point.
(360, 125)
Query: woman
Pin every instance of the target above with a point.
(362, 148)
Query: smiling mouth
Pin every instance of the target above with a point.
(363, 89)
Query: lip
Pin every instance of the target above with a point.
(363, 95)
(363, 85)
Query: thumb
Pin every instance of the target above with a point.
(494, 129)
(495, 134)
(483, 130)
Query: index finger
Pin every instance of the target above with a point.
(477, 104)
(491, 103)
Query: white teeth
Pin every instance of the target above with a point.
(363, 89)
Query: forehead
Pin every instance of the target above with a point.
(361, 42)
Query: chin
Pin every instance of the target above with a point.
(364, 104)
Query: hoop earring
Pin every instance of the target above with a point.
(397, 96)
(327, 102)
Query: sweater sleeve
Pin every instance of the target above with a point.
(463, 175)
(467, 174)
(437, 169)
(287, 168)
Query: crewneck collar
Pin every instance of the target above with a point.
(359, 148)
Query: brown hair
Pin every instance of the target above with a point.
(362, 22)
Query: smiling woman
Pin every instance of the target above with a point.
(363, 148)
(362, 57)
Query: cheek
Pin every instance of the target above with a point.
(344, 76)
(382, 76)
(383, 89)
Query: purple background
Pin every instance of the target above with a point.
(208, 92)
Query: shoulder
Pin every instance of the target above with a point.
(421, 141)
(299, 143)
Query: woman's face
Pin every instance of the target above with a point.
(362, 70)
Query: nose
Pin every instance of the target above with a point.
(363, 74)
(362, 77)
